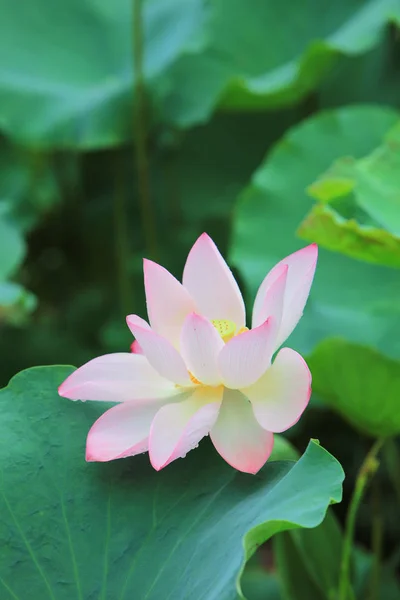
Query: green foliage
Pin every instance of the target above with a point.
(110, 531)
(361, 384)
(12, 248)
(363, 219)
(262, 66)
(295, 581)
(198, 56)
(73, 99)
(358, 301)
(298, 565)
(309, 560)
(388, 587)
(365, 78)
(321, 560)
(259, 584)
(29, 187)
(329, 229)
(303, 95)
(283, 449)
(371, 182)
(16, 303)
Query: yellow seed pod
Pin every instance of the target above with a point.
(226, 329)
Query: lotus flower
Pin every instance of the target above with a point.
(197, 370)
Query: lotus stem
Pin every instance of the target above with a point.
(141, 134)
(366, 472)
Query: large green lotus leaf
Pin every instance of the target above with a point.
(377, 189)
(363, 216)
(68, 76)
(75, 530)
(308, 567)
(328, 228)
(354, 299)
(270, 55)
(360, 383)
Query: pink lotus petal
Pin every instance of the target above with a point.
(211, 284)
(299, 279)
(160, 353)
(116, 378)
(272, 305)
(247, 356)
(237, 436)
(281, 395)
(135, 348)
(177, 428)
(121, 431)
(168, 302)
(134, 321)
(200, 346)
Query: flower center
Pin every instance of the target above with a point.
(193, 379)
(227, 330)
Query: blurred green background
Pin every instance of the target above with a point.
(130, 127)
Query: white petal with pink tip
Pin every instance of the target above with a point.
(245, 357)
(272, 305)
(118, 377)
(168, 302)
(237, 436)
(281, 395)
(200, 347)
(121, 431)
(178, 428)
(160, 353)
(211, 284)
(301, 269)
